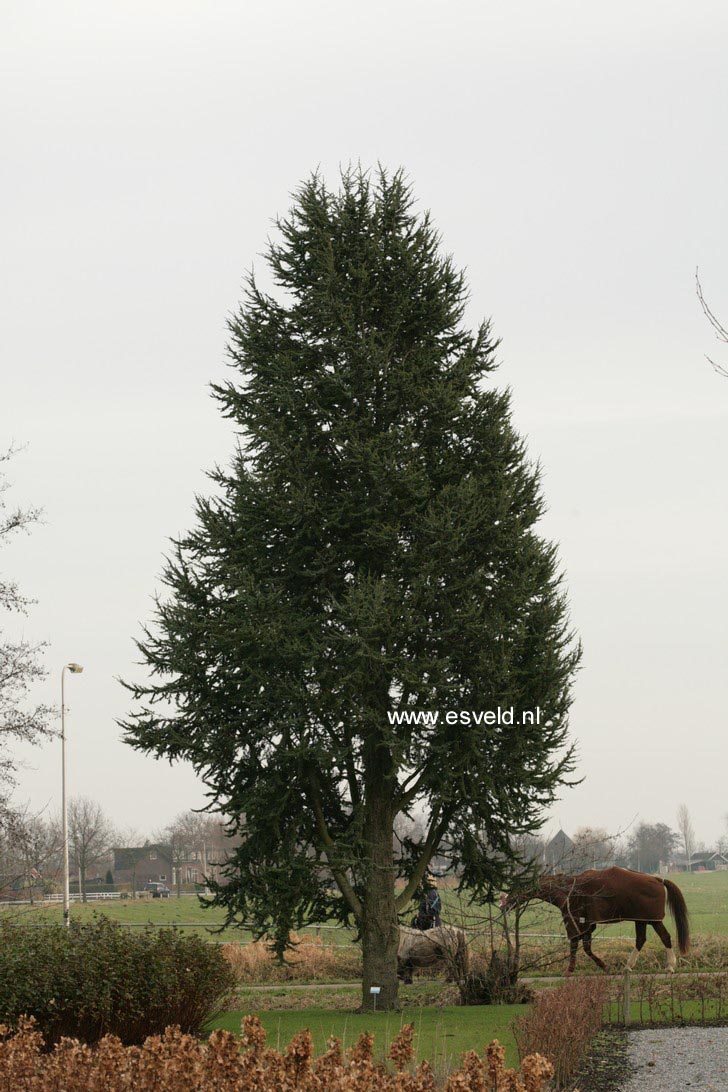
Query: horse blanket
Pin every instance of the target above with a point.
(426, 947)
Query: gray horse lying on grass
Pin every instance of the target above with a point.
(444, 945)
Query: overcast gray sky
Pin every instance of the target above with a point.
(574, 158)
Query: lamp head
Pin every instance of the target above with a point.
(75, 668)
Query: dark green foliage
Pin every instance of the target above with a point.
(372, 549)
(87, 980)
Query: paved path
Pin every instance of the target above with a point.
(540, 980)
(278, 986)
(675, 1059)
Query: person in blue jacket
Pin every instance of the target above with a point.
(428, 914)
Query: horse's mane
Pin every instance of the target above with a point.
(556, 879)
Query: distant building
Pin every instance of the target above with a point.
(558, 852)
(700, 861)
(137, 865)
(164, 863)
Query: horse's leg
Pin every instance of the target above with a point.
(586, 941)
(573, 948)
(667, 941)
(640, 928)
(404, 971)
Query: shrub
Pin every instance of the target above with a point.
(175, 1062)
(97, 978)
(562, 1022)
(491, 981)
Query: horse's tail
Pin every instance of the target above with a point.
(679, 910)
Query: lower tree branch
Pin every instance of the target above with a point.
(435, 833)
(330, 848)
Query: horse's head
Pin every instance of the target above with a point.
(557, 889)
(513, 899)
(533, 888)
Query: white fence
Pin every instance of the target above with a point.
(59, 898)
(91, 896)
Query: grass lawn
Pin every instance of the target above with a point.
(706, 894)
(138, 912)
(142, 912)
(441, 1034)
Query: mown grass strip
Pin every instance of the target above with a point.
(441, 1034)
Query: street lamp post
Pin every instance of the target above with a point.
(75, 669)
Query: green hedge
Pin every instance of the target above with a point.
(96, 978)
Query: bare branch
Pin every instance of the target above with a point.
(20, 663)
(720, 331)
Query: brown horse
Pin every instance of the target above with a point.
(612, 894)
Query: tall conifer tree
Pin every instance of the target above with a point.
(371, 551)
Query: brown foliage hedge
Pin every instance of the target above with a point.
(562, 1023)
(174, 1062)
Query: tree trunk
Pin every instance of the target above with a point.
(380, 924)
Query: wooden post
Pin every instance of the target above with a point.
(627, 1009)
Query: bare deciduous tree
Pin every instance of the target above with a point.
(593, 848)
(718, 328)
(29, 854)
(685, 827)
(90, 836)
(650, 846)
(191, 833)
(20, 666)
